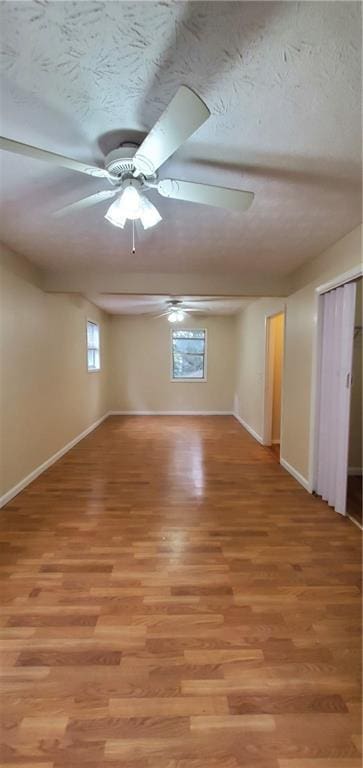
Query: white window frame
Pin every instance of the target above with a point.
(94, 322)
(189, 380)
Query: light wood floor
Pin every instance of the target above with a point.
(174, 599)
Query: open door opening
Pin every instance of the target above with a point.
(336, 320)
(275, 329)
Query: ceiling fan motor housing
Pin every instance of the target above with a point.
(120, 165)
(121, 160)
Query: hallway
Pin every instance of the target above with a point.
(174, 599)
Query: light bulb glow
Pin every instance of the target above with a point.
(132, 205)
(130, 202)
(176, 316)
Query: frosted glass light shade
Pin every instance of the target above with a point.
(177, 316)
(149, 214)
(116, 214)
(131, 205)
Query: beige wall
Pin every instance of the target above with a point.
(355, 432)
(250, 361)
(140, 367)
(300, 326)
(277, 331)
(299, 341)
(343, 255)
(47, 397)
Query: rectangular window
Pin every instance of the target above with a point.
(188, 355)
(93, 346)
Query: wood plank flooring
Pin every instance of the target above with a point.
(172, 598)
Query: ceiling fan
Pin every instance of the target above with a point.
(133, 171)
(177, 310)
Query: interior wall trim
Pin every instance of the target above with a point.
(48, 463)
(252, 432)
(346, 277)
(170, 413)
(356, 522)
(294, 472)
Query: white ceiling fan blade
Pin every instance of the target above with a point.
(51, 157)
(233, 199)
(182, 117)
(201, 311)
(162, 314)
(86, 202)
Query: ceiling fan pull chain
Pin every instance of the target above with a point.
(133, 236)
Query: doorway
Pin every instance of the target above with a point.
(275, 331)
(354, 489)
(335, 332)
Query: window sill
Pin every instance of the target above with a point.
(188, 381)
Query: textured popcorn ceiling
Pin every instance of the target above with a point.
(282, 81)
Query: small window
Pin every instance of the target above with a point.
(189, 355)
(93, 346)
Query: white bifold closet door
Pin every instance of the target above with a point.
(336, 355)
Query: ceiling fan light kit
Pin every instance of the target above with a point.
(131, 205)
(177, 310)
(133, 171)
(176, 316)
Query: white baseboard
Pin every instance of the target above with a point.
(48, 463)
(249, 429)
(357, 471)
(170, 413)
(300, 479)
(353, 520)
